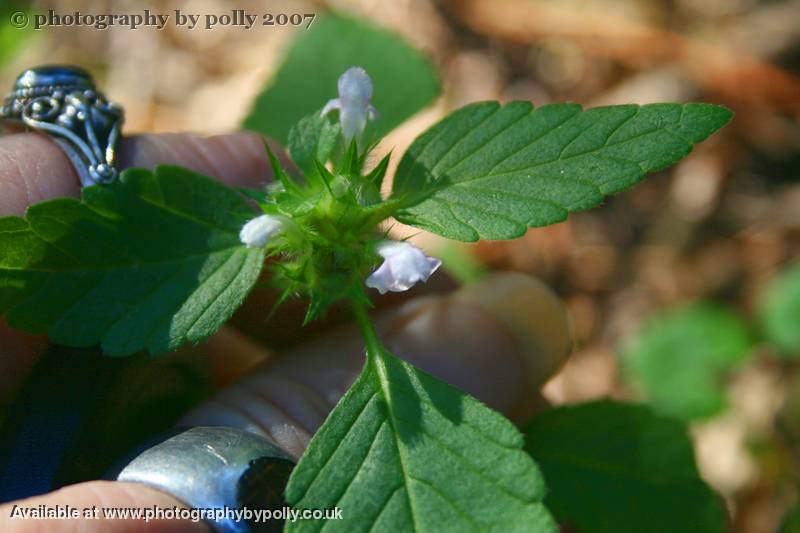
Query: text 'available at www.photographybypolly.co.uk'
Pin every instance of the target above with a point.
(155, 512)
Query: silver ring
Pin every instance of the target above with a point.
(63, 102)
(216, 468)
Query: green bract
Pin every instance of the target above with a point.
(326, 251)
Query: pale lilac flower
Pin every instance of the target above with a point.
(404, 265)
(355, 95)
(258, 231)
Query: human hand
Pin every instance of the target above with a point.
(499, 339)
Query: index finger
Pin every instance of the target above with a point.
(33, 168)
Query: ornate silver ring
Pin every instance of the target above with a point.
(224, 474)
(63, 102)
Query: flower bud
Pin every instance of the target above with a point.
(258, 231)
(355, 95)
(404, 266)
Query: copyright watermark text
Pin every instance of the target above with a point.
(236, 18)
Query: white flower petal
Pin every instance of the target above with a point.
(355, 87)
(372, 113)
(382, 279)
(258, 231)
(404, 266)
(330, 106)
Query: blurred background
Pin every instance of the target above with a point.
(718, 226)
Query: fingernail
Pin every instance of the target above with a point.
(533, 314)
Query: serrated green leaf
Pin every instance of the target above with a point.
(403, 451)
(150, 262)
(681, 358)
(489, 171)
(312, 139)
(617, 468)
(403, 80)
(780, 311)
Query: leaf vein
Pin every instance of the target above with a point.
(448, 500)
(357, 469)
(480, 147)
(533, 141)
(219, 294)
(385, 506)
(413, 395)
(463, 460)
(168, 314)
(330, 456)
(517, 194)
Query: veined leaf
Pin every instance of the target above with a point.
(403, 80)
(403, 451)
(489, 171)
(152, 261)
(619, 468)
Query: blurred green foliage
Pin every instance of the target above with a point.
(681, 358)
(792, 523)
(780, 312)
(616, 468)
(11, 38)
(403, 80)
(463, 266)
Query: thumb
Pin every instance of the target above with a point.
(499, 339)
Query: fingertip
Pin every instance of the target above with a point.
(534, 315)
(33, 169)
(461, 343)
(500, 339)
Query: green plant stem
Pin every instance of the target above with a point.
(376, 354)
(371, 340)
